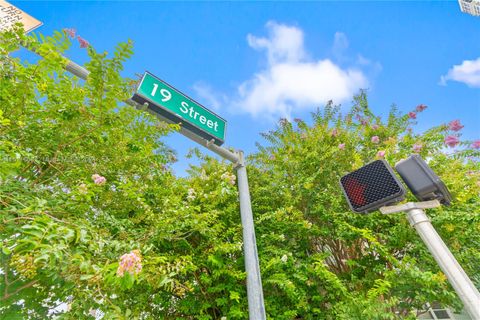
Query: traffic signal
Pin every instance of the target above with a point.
(372, 186)
(422, 181)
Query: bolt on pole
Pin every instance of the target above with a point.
(461, 283)
(256, 305)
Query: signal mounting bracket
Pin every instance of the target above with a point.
(409, 206)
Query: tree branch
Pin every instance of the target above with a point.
(8, 295)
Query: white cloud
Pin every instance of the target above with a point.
(291, 81)
(284, 44)
(288, 87)
(468, 72)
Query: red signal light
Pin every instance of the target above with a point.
(371, 187)
(356, 191)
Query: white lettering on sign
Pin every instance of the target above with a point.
(194, 114)
(166, 95)
(9, 15)
(164, 92)
(155, 87)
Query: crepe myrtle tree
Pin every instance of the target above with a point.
(321, 261)
(83, 181)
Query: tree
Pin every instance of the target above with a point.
(324, 262)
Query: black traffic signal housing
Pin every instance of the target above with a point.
(422, 181)
(371, 187)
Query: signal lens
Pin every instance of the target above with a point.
(371, 187)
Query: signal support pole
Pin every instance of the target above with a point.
(461, 283)
(256, 306)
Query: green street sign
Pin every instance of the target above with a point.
(173, 105)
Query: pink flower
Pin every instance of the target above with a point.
(363, 122)
(381, 154)
(83, 43)
(417, 147)
(98, 179)
(130, 262)
(451, 141)
(455, 125)
(375, 139)
(70, 32)
(420, 107)
(375, 126)
(341, 146)
(334, 133)
(476, 144)
(412, 115)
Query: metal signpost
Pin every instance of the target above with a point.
(168, 111)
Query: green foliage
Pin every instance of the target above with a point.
(341, 265)
(85, 183)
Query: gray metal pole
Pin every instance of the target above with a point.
(256, 307)
(459, 280)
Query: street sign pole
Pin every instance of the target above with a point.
(461, 283)
(256, 305)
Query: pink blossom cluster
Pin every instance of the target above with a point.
(417, 147)
(381, 154)
(230, 178)
(98, 179)
(420, 107)
(476, 144)
(451, 141)
(455, 125)
(72, 32)
(130, 262)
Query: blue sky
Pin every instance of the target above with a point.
(254, 62)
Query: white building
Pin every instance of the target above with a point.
(470, 6)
